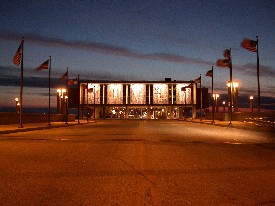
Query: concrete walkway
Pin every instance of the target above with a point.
(237, 124)
(14, 128)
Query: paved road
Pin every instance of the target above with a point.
(138, 163)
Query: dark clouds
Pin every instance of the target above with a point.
(247, 69)
(102, 48)
(251, 69)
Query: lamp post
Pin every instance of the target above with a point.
(87, 96)
(66, 108)
(223, 103)
(16, 105)
(94, 103)
(216, 96)
(58, 95)
(251, 103)
(62, 100)
(229, 88)
(235, 89)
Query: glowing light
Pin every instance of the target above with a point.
(216, 96)
(160, 95)
(115, 94)
(138, 94)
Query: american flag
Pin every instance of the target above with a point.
(65, 75)
(198, 80)
(45, 65)
(249, 44)
(227, 53)
(17, 57)
(209, 73)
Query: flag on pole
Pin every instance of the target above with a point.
(198, 80)
(223, 63)
(249, 44)
(65, 75)
(227, 54)
(72, 81)
(45, 65)
(17, 57)
(209, 73)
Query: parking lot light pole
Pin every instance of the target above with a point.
(66, 105)
(251, 103)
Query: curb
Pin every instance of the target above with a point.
(38, 128)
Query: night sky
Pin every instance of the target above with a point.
(134, 40)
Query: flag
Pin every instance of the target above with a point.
(227, 54)
(65, 75)
(72, 81)
(209, 73)
(223, 63)
(198, 80)
(17, 57)
(249, 44)
(45, 65)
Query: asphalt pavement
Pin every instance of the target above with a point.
(14, 128)
(132, 162)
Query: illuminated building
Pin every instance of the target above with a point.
(137, 99)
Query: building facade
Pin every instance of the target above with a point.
(138, 99)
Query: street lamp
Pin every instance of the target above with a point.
(223, 103)
(66, 106)
(16, 105)
(229, 86)
(216, 96)
(94, 103)
(63, 101)
(251, 103)
(58, 96)
(235, 89)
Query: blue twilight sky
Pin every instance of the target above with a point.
(135, 40)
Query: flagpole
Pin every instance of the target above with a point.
(230, 93)
(78, 98)
(49, 110)
(87, 104)
(258, 75)
(67, 92)
(212, 96)
(21, 84)
(201, 101)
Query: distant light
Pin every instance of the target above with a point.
(228, 84)
(216, 96)
(251, 97)
(235, 84)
